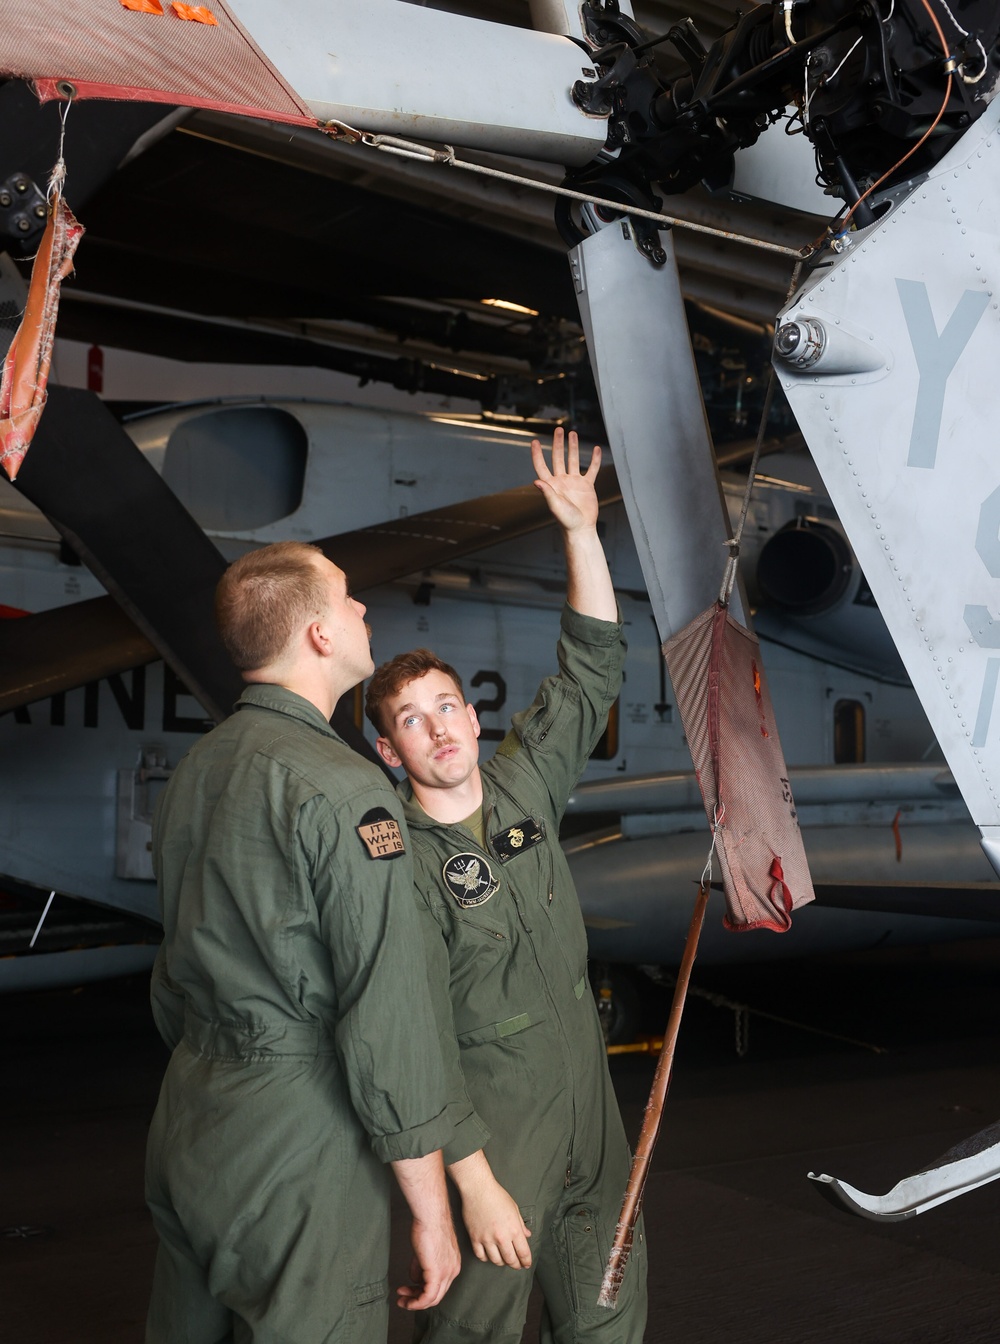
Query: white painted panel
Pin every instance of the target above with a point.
(908, 451)
(405, 70)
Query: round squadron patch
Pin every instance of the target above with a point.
(470, 880)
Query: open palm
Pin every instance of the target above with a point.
(570, 494)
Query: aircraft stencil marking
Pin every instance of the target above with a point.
(132, 704)
(988, 533)
(982, 626)
(491, 705)
(936, 354)
(986, 702)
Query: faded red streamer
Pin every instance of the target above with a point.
(24, 386)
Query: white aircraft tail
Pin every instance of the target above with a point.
(889, 356)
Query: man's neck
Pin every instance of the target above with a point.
(316, 689)
(453, 804)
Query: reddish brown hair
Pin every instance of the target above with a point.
(387, 680)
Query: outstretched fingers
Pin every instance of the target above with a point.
(565, 457)
(539, 463)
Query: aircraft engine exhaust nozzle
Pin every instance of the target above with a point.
(806, 568)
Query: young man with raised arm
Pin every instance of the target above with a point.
(306, 1057)
(508, 961)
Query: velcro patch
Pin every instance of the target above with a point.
(516, 839)
(470, 880)
(381, 834)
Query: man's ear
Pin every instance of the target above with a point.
(384, 748)
(477, 727)
(318, 640)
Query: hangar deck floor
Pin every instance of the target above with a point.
(742, 1247)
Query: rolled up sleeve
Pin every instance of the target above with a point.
(386, 1032)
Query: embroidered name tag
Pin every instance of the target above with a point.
(470, 880)
(516, 839)
(381, 834)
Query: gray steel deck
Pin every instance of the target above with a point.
(742, 1248)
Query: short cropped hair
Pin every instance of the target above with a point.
(264, 597)
(387, 680)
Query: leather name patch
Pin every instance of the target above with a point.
(516, 839)
(381, 834)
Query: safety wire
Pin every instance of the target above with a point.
(410, 149)
(733, 545)
(57, 178)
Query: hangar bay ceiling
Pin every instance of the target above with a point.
(220, 239)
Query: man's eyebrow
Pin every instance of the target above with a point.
(411, 708)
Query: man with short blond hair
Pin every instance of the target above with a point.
(263, 596)
(508, 960)
(306, 1056)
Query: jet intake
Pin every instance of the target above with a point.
(807, 568)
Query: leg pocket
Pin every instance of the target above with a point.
(368, 1315)
(587, 1250)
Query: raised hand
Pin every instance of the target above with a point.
(569, 493)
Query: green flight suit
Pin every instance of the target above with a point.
(511, 944)
(305, 1051)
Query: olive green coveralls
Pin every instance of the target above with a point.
(511, 944)
(305, 1050)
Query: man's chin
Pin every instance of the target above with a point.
(452, 772)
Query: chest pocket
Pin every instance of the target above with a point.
(473, 924)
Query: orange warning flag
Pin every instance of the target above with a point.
(23, 388)
(195, 13)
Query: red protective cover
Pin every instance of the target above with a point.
(100, 49)
(716, 671)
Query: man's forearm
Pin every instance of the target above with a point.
(421, 1180)
(432, 1235)
(589, 589)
